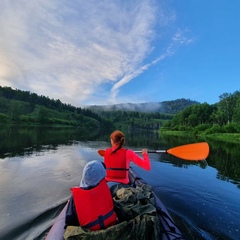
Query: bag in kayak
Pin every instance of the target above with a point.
(71, 214)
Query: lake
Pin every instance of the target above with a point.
(39, 165)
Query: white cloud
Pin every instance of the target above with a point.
(68, 50)
(177, 40)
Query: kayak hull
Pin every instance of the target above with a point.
(169, 230)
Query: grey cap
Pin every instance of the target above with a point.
(93, 173)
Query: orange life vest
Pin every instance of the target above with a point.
(116, 164)
(95, 209)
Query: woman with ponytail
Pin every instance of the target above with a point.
(117, 159)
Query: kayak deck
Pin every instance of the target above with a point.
(169, 230)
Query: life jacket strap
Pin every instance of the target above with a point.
(118, 169)
(100, 220)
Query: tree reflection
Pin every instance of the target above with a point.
(224, 156)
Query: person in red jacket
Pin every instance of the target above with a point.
(93, 200)
(117, 159)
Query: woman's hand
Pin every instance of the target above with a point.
(144, 150)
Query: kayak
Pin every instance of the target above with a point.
(168, 229)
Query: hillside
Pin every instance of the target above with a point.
(23, 107)
(168, 107)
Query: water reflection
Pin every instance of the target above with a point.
(225, 157)
(176, 162)
(21, 141)
(46, 162)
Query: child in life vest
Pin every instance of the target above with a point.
(117, 159)
(93, 200)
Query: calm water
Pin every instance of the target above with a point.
(38, 166)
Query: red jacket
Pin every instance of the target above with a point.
(116, 165)
(95, 209)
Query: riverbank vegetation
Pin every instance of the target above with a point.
(219, 121)
(178, 117)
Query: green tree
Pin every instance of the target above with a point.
(226, 106)
(236, 115)
(15, 110)
(42, 114)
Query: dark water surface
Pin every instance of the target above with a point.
(38, 166)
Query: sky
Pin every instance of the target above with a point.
(100, 52)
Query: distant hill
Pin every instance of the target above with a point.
(17, 106)
(169, 107)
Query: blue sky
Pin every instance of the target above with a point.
(121, 51)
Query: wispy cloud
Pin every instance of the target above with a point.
(178, 39)
(70, 49)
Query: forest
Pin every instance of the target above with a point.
(222, 117)
(26, 108)
(23, 107)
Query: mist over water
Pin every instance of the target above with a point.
(37, 173)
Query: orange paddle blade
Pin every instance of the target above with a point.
(101, 152)
(193, 151)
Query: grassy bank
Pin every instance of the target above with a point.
(176, 133)
(227, 137)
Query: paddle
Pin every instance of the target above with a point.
(193, 151)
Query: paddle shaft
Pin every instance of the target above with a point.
(152, 151)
